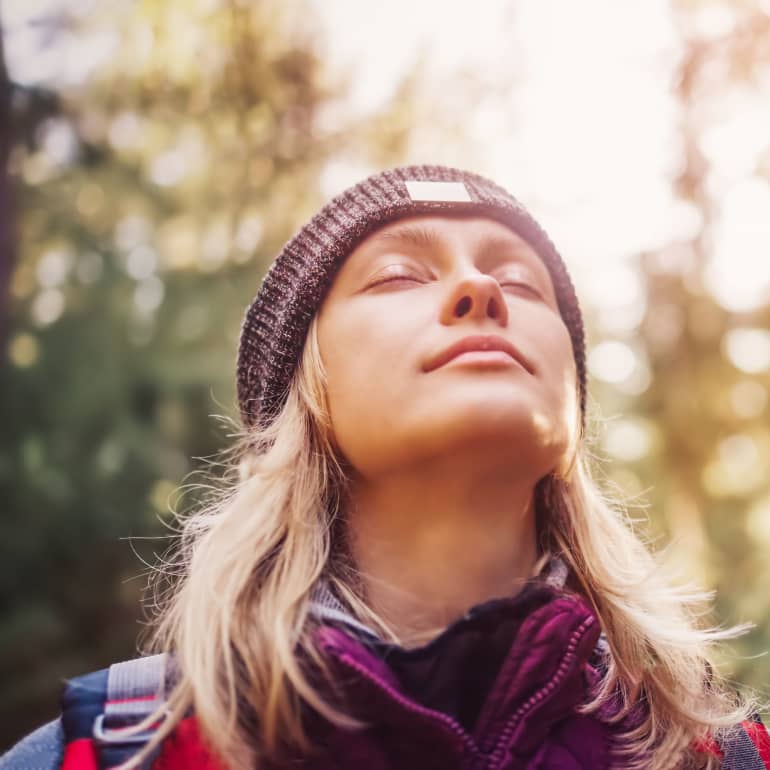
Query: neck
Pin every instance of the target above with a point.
(431, 542)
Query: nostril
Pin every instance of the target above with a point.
(492, 309)
(463, 306)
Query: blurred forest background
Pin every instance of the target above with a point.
(142, 198)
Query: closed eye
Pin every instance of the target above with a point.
(519, 284)
(393, 277)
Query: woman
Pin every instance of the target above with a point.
(414, 567)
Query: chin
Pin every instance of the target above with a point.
(521, 424)
(493, 412)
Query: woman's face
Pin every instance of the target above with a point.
(400, 392)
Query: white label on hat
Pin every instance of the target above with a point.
(437, 191)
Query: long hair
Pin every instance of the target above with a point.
(236, 614)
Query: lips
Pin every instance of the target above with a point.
(480, 342)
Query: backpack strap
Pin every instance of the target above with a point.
(135, 689)
(40, 750)
(98, 708)
(747, 747)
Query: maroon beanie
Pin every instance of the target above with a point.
(277, 321)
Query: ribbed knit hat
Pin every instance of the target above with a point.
(277, 321)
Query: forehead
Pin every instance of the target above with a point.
(427, 231)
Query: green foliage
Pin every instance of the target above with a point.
(149, 200)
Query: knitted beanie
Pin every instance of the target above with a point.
(277, 321)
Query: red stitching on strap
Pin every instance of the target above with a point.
(143, 699)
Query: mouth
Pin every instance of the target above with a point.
(478, 343)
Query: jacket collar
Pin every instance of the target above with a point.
(325, 606)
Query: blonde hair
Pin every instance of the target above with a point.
(236, 616)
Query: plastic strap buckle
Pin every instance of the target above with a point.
(116, 735)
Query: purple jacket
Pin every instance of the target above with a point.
(499, 688)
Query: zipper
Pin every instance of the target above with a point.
(449, 725)
(482, 760)
(493, 760)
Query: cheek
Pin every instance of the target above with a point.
(558, 371)
(564, 379)
(348, 359)
(371, 346)
(360, 358)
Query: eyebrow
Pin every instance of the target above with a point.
(414, 235)
(422, 237)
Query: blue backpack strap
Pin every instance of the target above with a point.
(42, 749)
(742, 746)
(135, 689)
(100, 706)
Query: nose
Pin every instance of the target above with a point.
(475, 296)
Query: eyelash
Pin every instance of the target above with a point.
(391, 274)
(405, 277)
(526, 286)
(391, 278)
